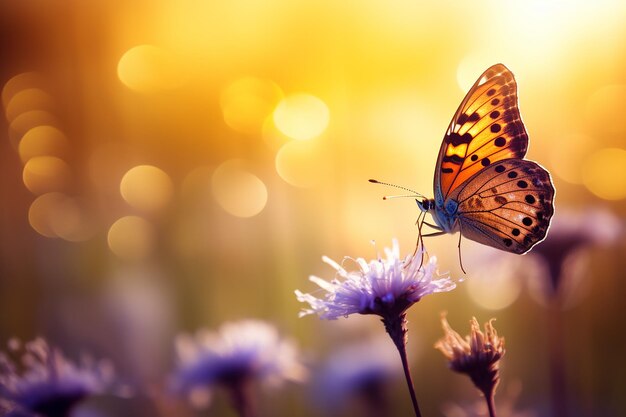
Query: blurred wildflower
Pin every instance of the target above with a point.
(477, 355)
(570, 232)
(234, 357)
(45, 383)
(363, 372)
(384, 287)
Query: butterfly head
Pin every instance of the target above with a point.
(425, 204)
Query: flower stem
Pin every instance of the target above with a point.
(557, 362)
(491, 405)
(240, 394)
(396, 327)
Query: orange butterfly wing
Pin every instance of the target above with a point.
(486, 128)
(507, 206)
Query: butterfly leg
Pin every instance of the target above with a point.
(434, 234)
(460, 259)
(434, 226)
(419, 222)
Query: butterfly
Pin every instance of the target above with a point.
(483, 186)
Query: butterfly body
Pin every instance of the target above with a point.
(483, 187)
(445, 218)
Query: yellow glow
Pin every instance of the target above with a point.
(247, 103)
(131, 238)
(603, 173)
(301, 163)
(18, 83)
(238, 191)
(42, 210)
(44, 174)
(27, 100)
(605, 108)
(43, 141)
(470, 68)
(566, 161)
(301, 116)
(146, 187)
(148, 69)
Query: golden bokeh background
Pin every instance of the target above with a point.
(169, 165)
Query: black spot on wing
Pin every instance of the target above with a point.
(456, 139)
(455, 159)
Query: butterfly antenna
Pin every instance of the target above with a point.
(413, 193)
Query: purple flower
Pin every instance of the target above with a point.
(237, 354)
(382, 286)
(571, 231)
(48, 384)
(361, 371)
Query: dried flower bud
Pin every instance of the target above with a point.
(477, 355)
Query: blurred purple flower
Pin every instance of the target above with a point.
(383, 286)
(234, 356)
(45, 383)
(572, 231)
(361, 371)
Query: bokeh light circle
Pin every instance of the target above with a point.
(301, 163)
(131, 238)
(148, 69)
(28, 120)
(301, 116)
(27, 100)
(493, 282)
(18, 83)
(72, 221)
(146, 187)
(41, 211)
(44, 174)
(247, 102)
(603, 173)
(43, 141)
(238, 191)
(494, 292)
